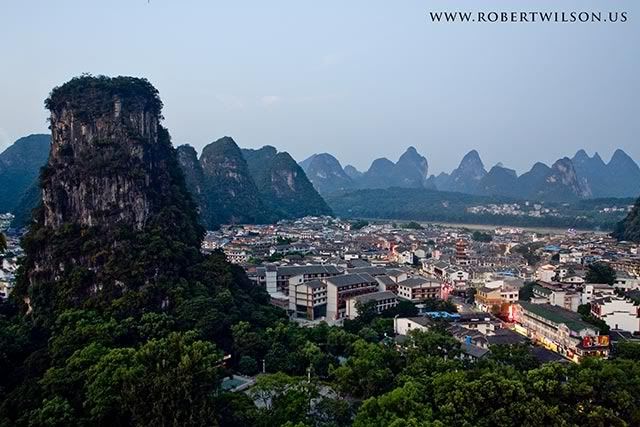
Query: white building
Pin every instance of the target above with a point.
(591, 291)
(546, 273)
(617, 312)
(383, 301)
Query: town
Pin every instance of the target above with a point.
(570, 294)
(507, 285)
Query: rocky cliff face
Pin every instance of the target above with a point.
(102, 157)
(115, 214)
(230, 194)
(283, 185)
(193, 175)
(557, 183)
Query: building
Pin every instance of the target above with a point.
(462, 257)
(418, 288)
(383, 301)
(309, 299)
(617, 312)
(275, 279)
(404, 325)
(341, 288)
(237, 254)
(556, 295)
(546, 273)
(560, 330)
(495, 296)
(626, 282)
(592, 291)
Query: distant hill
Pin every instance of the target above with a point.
(410, 171)
(20, 165)
(499, 181)
(326, 173)
(454, 207)
(238, 186)
(629, 228)
(283, 185)
(466, 177)
(580, 177)
(229, 192)
(557, 183)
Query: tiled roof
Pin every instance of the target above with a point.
(558, 315)
(351, 279)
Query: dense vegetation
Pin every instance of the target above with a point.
(629, 228)
(115, 325)
(229, 193)
(431, 205)
(283, 185)
(19, 166)
(480, 236)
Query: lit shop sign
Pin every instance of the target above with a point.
(599, 341)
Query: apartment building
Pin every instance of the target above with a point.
(617, 312)
(560, 330)
(418, 288)
(341, 288)
(382, 301)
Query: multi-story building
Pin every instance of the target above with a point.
(546, 273)
(276, 279)
(237, 254)
(617, 312)
(341, 288)
(309, 299)
(493, 296)
(560, 330)
(420, 288)
(383, 301)
(591, 291)
(556, 295)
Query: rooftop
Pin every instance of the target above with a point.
(376, 296)
(558, 315)
(351, 279)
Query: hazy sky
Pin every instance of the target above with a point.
(357, 78)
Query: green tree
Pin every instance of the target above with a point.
(357, 225)
(248, 365)
(480, 236)
(526, 291)
(369, 371)
(169, 382)
(628, 350)
(283, 399)
(3, 243)
(517, 355)
(600, 272)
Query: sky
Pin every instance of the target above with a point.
(360, 79)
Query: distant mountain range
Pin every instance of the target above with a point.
(236, 186)
(233, 185)
(243, 186)
(579, 177)
(230, 185)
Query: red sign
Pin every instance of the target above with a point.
(599, 341)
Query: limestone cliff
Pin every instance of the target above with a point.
(112, 191)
